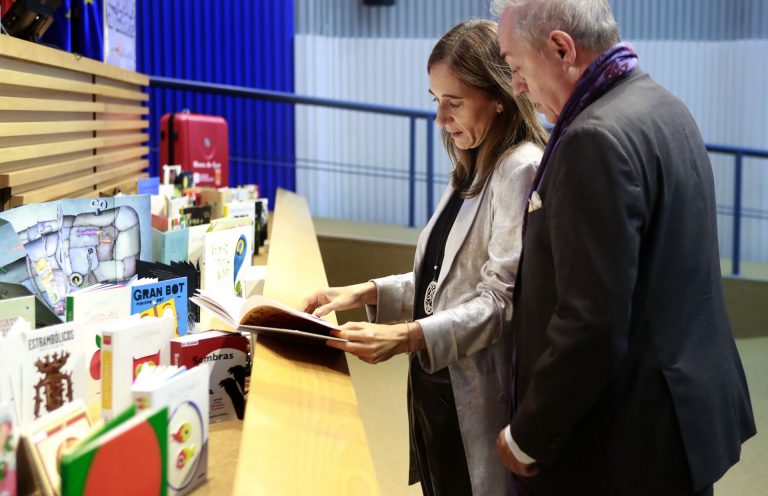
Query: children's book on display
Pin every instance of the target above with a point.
(48, 437)
(185, 393)
(127, 346)
(126, 456)
(58, 247)
(224, 355)
(263, 315)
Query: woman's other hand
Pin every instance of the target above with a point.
(374, 343)
(330, 300)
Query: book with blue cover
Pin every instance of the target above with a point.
(159, 298)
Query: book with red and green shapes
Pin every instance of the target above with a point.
(126, 456)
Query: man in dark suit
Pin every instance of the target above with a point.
(627, 378)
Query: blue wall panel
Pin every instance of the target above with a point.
(242, 43)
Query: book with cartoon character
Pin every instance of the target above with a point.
(70, 244)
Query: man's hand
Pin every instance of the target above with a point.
(512, 463)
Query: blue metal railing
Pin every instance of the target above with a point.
(414, 114)
(280, 96)
(738, 155)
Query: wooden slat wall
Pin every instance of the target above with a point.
(69, 126)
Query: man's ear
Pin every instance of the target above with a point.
(562, 45)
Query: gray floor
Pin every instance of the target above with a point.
(381, 394)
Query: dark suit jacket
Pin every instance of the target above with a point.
(628, 380)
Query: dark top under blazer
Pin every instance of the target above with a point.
(622, 335)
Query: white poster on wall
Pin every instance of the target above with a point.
(120, 33)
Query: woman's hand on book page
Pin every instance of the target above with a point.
(374, 343)
(330, 300)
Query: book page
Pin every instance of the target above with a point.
(263, 309)
(226, 306)
(289, 332)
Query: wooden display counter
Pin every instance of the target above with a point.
(302, 432)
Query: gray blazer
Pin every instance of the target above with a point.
(469, 330)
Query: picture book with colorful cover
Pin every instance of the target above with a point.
(9, 438)
(126, 346)
(126, 456)
(73, 243)
(225, 354)
(224, 254)
(165, 272)
(185, 393)
(94, 308)
(264, 315)
(52, 369)
(47, 438)
(161, 298)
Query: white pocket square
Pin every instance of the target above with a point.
(534, 202)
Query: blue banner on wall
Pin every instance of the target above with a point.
(88, 28)
(78, 27)
(247, 44)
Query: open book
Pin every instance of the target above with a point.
(263, 315)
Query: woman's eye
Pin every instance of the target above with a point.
(454, 105)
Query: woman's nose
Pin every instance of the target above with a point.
(441, 118)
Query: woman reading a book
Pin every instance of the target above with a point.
(453, 312)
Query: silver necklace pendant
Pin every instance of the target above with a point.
(429, 297)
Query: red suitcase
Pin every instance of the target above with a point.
(200, 145)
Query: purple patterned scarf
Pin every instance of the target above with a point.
(609, 68)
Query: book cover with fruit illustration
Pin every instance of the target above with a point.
(94, 309)
(127, 346)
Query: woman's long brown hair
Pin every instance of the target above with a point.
(471, 51)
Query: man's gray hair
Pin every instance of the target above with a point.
(589, 22)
